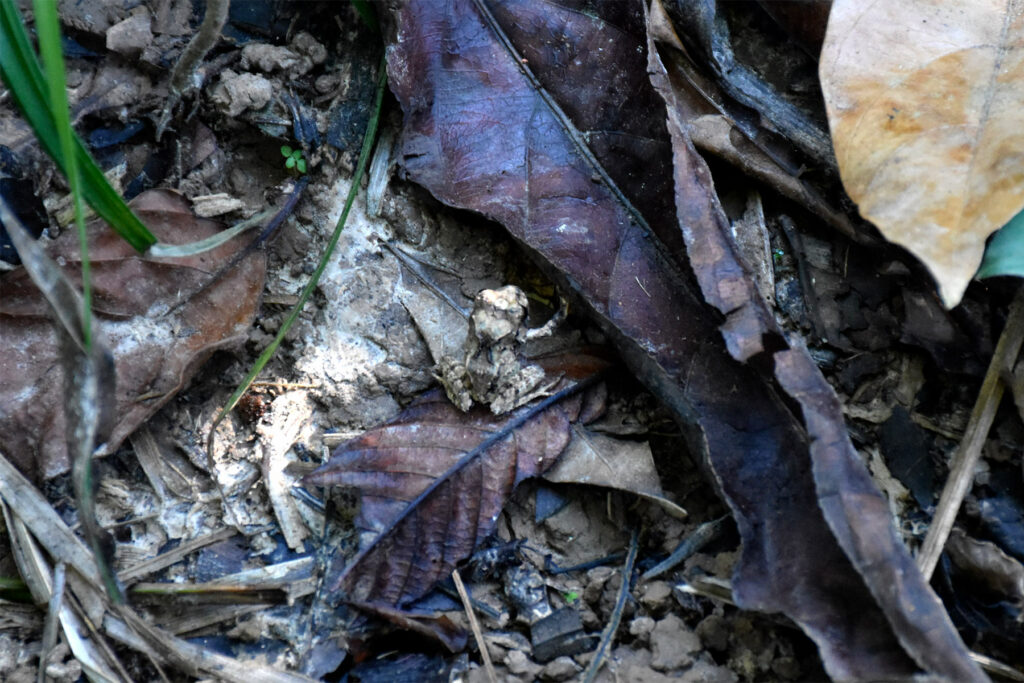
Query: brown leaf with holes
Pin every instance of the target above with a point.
(926, 106)
(434, 480)
(154, 314)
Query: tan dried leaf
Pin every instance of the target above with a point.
(925, 99)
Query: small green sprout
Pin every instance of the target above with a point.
(571, 597)
(293, 160)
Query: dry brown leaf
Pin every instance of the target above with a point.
(926, 106)
(597, 459)
(155, 315)
(434, 480)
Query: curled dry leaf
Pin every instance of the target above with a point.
(926, 106)
(434, 480)
(853, 508)
(855, 511)
(154, 314)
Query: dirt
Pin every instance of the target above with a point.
(362, 348)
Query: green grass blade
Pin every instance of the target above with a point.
(364, 159)
(48, 27)
(84, 393)
(20, 70)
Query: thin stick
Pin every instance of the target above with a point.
(51, 627)
(701, 536)
(961, 473)
(475, 625)
(608, 635)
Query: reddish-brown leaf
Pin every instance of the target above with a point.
(433, 482)
(154, 314)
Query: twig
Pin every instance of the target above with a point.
(174, 556)
(701, 536)
(51, 626)
(475, 626)
(994, 666)
(608, 635)
(961, 473)
(265, 234)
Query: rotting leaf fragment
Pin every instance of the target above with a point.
(159, 317)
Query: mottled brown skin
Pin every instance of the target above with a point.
(494, 371)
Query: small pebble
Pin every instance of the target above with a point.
(561, 669)
(657, 597)
(672, 643)
(519, 664)
(641, 629)
(131, 36)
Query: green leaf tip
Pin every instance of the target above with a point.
(1004, 254)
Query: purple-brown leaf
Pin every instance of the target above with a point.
(433, 482)
(856, 512)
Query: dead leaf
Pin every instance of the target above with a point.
(926, 108)
(433, 482)
(997, 573)
(156, 317)
(853, 508)
(480, 135)
(595, 459)
(438, 627)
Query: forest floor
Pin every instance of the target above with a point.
(365, 346)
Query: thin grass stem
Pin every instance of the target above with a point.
(364, 159)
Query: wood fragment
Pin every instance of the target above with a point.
(35, 571)
(290, 415)
(467, 605)
(175, 555)
(961, 471)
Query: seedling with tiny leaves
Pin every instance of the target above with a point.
(293, 160)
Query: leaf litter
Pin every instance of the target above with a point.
(384, 363)
(162, 318)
